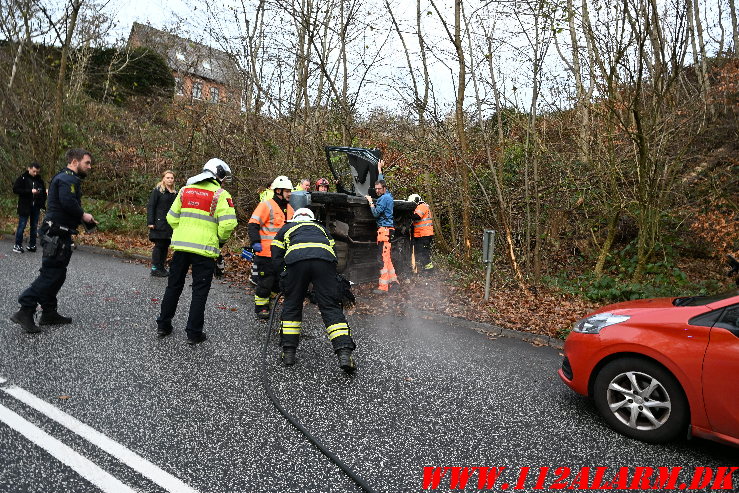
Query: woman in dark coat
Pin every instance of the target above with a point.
(160, 232)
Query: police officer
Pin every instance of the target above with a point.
(268, 217)
(202, 218)
(64, 214)
(303, 252)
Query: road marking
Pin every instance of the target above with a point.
(128, 457)
(3, 380)
(63, 453)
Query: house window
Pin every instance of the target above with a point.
(214, 94)
(179, 87)
(197, 90)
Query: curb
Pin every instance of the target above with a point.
(494, 330)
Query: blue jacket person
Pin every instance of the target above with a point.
(64, 214)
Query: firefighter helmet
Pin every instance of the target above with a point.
(281, 182)
(414, 197)
(214, 168)
(303, 214)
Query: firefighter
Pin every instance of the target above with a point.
(266, 220)
(383, 212)
(322, 185)
(423, 233)
(303, 253)
(202, 219)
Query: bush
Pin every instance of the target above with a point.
(139, 72)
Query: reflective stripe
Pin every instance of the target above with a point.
(194, 215)
(278, 243)
(214, 201)
(173, 214)
(423, 222)
(188, 244)
(291, 327)
(226, 217)
(271, 229)
(259, 301)
(309, 245)
(337, 330)
(256, 217)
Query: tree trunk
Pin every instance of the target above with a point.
(59, 93)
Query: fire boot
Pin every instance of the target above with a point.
(288, 356)
(346, 361)
(52, 317)
(24, 318)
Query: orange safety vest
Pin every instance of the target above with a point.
(270, 218)
(424, 226)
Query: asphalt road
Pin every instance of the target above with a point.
(428, 392)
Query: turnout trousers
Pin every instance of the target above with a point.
(387, 273)
(327, 291)
(268, 283)
(202, 276)
(422, 248)
(43, 291)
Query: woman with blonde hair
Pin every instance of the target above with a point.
(160, 232)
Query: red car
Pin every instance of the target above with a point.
(660, 369)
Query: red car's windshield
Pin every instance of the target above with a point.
(704, 300)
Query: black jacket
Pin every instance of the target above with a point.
(27, 200)
(64, 205)
(301, 240)
(156, 214)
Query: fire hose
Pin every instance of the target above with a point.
(291, 419)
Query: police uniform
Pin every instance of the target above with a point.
(303, 252)
(202, 218)
(63, 216)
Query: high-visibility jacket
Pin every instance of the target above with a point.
(423, 226)
(202, 218)
(270, 219)
(301, 240)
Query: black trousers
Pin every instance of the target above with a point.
(268, 282)
(327, 295)
(422, 247)
(202, 276)
(43, 291)
(159, 253)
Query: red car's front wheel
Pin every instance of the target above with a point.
(641, 399)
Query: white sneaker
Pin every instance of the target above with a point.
(17, 249)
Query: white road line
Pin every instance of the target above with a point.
(3, 380)
(63, 453)
(131, 459)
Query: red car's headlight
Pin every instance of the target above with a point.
(594, 323)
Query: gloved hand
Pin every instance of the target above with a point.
(257, 247)
(247, 254)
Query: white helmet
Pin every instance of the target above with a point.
(303, 214)
(214, 168)
(281, 182)
(414, 197)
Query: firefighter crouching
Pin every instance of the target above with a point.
(423, 233)
(266, 220)
(303, 252)
(202, 218)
